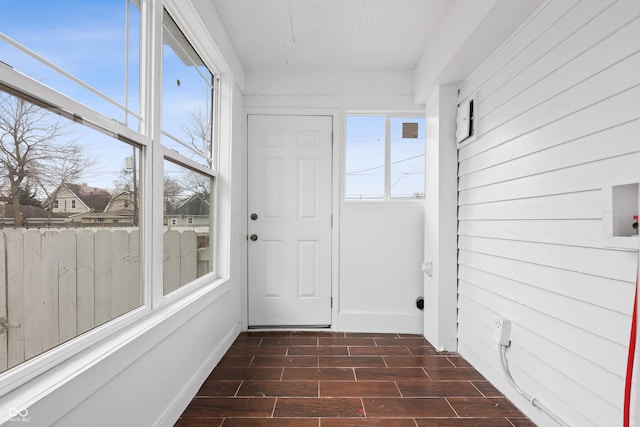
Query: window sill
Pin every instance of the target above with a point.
(393, 203)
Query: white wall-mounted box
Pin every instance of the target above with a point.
(466, 126)
(621, 198)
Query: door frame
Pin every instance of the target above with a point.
(336, 182)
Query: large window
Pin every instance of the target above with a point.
(187, 135)
(79, 153)
(385, 157)
(60, 275)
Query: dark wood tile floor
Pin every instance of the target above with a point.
(329, 379)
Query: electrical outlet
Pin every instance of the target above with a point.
(502, 332)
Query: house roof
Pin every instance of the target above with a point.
(125, 194)
(194, 205)
(95, 198)
(28, 211)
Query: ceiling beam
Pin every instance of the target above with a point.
(470, 32)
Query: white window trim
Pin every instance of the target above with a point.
(387, 200)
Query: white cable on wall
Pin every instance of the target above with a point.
(535, 402)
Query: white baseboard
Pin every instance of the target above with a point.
(380, 322)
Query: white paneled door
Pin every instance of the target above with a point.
(289, 223)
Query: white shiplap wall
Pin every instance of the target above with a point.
(558, 109)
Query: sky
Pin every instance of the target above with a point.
(365, 157)
(88, 40)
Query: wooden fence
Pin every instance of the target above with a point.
(58, 284)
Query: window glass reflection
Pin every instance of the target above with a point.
(69, 230)
(187, 234)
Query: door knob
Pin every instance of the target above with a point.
(254, 237)
(254, 216)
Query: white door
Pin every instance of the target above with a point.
(289, 224)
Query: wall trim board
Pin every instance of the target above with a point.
(440, 287)
(352, 321)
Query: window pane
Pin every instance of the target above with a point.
(69, 251)
(89, 40)
(407, 157)
(365, 147)
(187, 97)
(187, 200)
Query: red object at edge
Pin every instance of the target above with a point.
(632, 352)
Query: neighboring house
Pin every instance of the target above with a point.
(122, 200)
(119, 210)
(74, 199)
(192, 211)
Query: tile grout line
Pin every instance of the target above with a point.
(479, 391)
(426, 373)
(449, 360)
(398, 388)
(451, 406)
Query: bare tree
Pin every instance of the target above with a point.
(27, 142)
(199, 133)
(172, 192)
(64, 166)
(195, 183)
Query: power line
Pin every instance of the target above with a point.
(382, 166)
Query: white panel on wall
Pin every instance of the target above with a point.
(381, 252)
(559, 115)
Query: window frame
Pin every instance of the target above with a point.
(20, 85)
(387, 198)
(152, 155)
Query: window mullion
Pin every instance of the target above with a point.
(387, 158)
(151, 98)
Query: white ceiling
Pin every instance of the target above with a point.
(330, 34)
